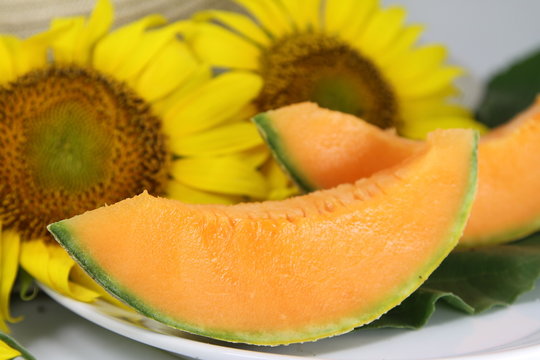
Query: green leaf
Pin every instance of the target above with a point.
(471, 281)
(511, 91)
(12, 343)
(416, 310)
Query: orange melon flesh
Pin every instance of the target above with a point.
(287, 271)
(329, 148)
(507, 205)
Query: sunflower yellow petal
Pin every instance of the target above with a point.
(77, 43)
(270, 14)
(282, 193)
(9, 264)
(419, 128)
(419, 63)
(100, 20)
(21, 56)
(189, 195)
(221, 47)
(150, 44)
(405, 39)
(63, 47)
(114, 49)
(98, 25)
(59, 269)
(246, 113)
(380, 31)
(7, 71)
(433, 83)
(445, 92)
(254, 157)
(201, 75)
(222, 175)
(34, 259)
(240, 23)
(32, 53)
(7, 352)
(279, 185)
(312, 13)
(338, 13)
(218, 141)
(51, 265)
(431, 106)
(213, 103)
(347, 18)
(304, 13)
(166, 71)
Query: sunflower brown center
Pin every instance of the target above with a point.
(73, 140)
(325, 70)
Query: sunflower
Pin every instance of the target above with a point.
(90, 116)
(346, 55)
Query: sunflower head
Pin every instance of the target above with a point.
(350, 56)
(90, 116)
(325, 70)
(74, 140)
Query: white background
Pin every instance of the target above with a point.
(482, 35)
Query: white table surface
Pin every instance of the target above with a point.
(481, 34)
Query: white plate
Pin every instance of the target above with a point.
(511, 333)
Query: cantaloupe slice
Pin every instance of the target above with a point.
(321, 148)
(287, 271)
(507, 205)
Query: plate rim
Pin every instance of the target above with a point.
(196, 349)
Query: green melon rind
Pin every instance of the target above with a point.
(264, 124)
(66, 237)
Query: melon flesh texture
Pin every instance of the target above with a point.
(507, 205)
(279, 272)
(320, 148)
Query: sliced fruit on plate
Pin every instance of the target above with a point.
(279, 272)
(321, 148)
(507, 205)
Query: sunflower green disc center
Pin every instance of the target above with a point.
(66, 148)
(323, 69)
(337, 93)
(72, 140)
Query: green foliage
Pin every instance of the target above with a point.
(471, 281)
(511, 91)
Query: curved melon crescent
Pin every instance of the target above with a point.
(321, 148)
(289, 271)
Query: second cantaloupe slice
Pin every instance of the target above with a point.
(321, 148)
(283, 271)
